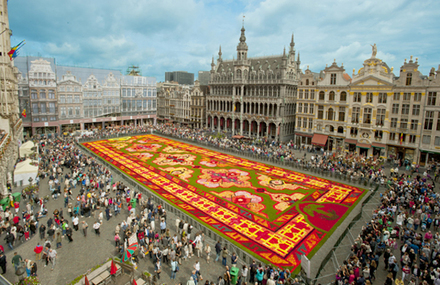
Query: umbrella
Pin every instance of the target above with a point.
(17, 196)
(129, 252)
(4, 202)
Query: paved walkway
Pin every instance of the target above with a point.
(84, 253)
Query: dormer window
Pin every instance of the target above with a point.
(408, 79)
(307, 82)
(333, 79)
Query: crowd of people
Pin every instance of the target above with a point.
(402, 237)
(404, 226)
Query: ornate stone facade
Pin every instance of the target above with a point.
(373, 113)
(43, 95)
(254, 97)
(70, 102)
(182, 103)
(11, 126)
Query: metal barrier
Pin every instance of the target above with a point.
(245, 257)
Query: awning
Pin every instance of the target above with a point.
(430, 151)
(379, 145)
(304, 135)
(237, 137)
(351, 141)
(363, 145)
(320, 140)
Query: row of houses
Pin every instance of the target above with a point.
(63, 99)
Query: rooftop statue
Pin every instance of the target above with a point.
(374, 52)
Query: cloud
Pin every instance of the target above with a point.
(168, 35)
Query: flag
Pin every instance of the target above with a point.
(235, 108)
(86, 281)
(134, 282)
(24, 113)
(113, 268)
(14, 50)
(401, 138)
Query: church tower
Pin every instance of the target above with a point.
(242, 47)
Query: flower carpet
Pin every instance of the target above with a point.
(272, 213)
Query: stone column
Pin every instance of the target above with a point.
(241, 127)
(276, 132)
(82, 126)
(258, 130)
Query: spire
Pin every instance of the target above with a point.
(220, 52)
(242, 36)
(292, 43)
(242, 47)
(284, 52)
(212, 63)
(298, 58)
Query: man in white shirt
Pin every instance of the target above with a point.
(75, 222)
(96, 226)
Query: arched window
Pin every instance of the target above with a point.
(321, 95)
(330, 114)
(307, 82)
(331, 96)
(340, 130)
(343, 96)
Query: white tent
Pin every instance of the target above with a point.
(26, 149)
(24, 170)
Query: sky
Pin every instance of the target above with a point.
(166, 35)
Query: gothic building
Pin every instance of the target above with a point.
(11, 126)
(254, 97)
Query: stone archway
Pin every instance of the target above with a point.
(246, 128)
(222, 123)
(272, 130)
(229, 124)
(254, 128)
(263, 129)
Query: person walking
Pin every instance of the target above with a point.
(208, 252)
(157, 269)
(69, 233)
(218, 250)
(58, 240)
(174, 268)
(16, 260)
(28, 266)
(3, 262)
(224, 256)
(234, 259)
(42, 231)
(34, 269)
(85, 226)
(38, 249)
(75, 222)
(96, 226)
(197, 268)
(52, 257)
